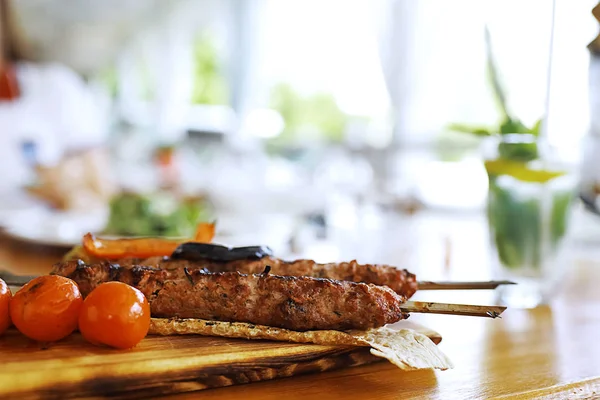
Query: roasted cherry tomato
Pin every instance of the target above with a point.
(115, 314)
(47, 308)
(5, 296)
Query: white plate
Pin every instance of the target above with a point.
(15, 204)
(57, 229)
(65, 229)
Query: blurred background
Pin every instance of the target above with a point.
(330, 129)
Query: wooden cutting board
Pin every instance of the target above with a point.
(162, 365)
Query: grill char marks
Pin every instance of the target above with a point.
(400, 280)
(297, 303)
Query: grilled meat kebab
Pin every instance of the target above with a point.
(399, 280)
(183, 290)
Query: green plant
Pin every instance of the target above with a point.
(318, 112)
(209, 85)
(509, 124)
(109, 78)
(517, 220)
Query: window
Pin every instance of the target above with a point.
(370, 73)
(318, 66)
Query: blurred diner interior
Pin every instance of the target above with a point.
(331, 130)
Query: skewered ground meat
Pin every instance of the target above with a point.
(297, 303)
(400, 280)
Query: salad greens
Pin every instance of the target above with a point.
(157, 214)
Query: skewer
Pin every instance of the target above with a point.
(408, 307)
(428, 285)
(19, 280)
(15, 280)
(453, 309)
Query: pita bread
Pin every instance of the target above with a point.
(404, 348)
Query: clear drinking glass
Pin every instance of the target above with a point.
(529, 205)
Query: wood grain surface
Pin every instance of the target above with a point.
(549, 352)
(161, 365)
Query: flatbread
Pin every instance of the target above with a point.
(405, 348)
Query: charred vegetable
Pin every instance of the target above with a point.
(214, 252)
(142, 247)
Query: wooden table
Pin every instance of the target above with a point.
(549, 352)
